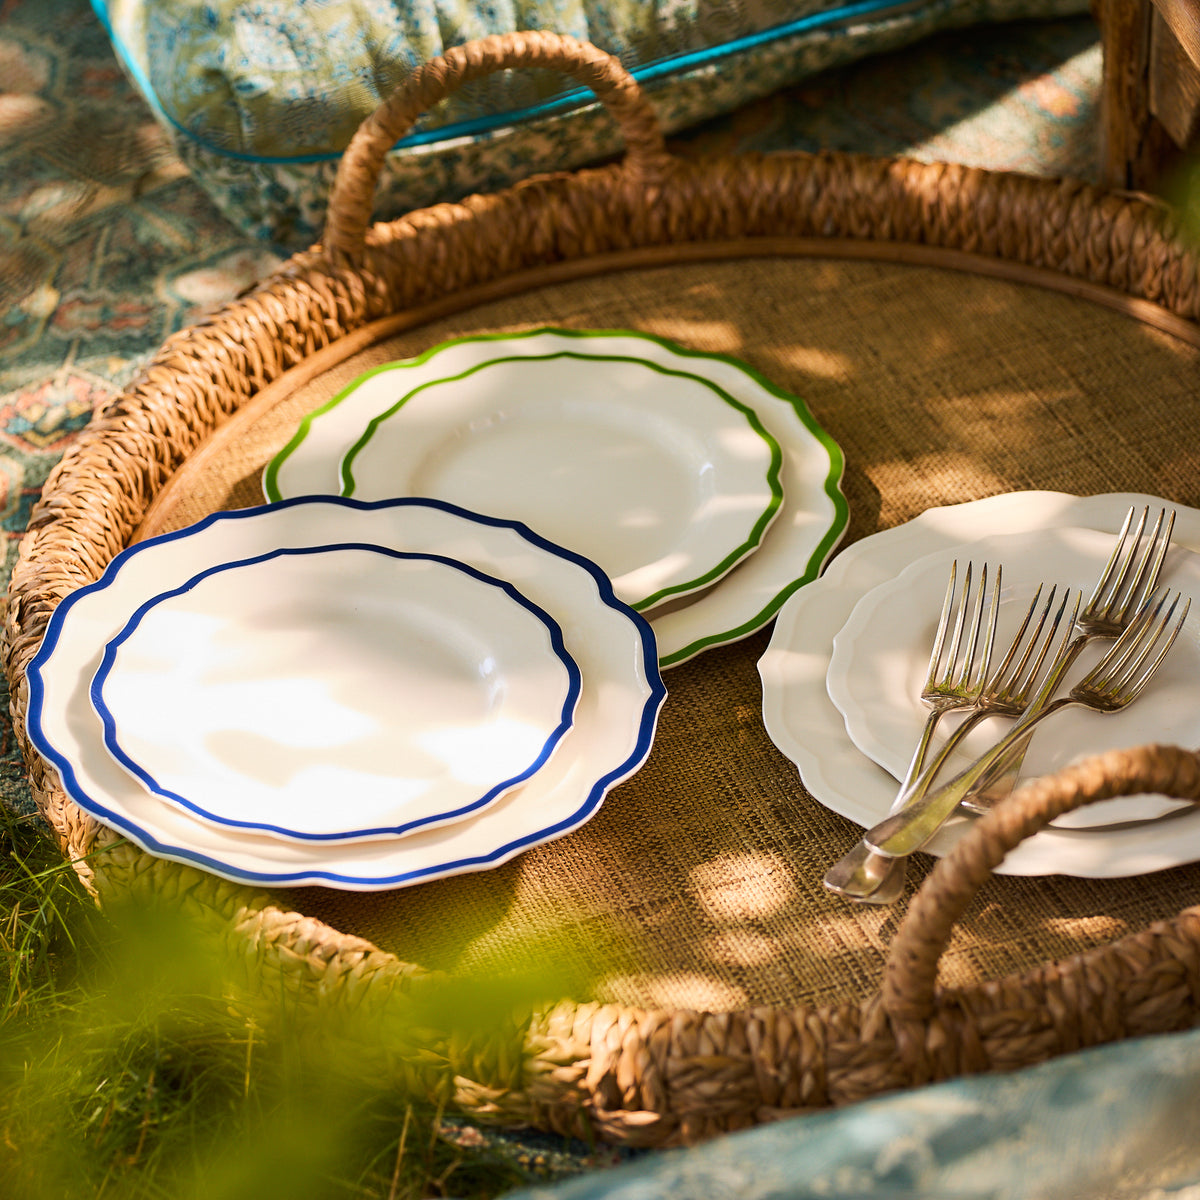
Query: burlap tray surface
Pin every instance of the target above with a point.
(697, 887)
(699, 883)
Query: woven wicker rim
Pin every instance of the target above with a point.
(626, 1074)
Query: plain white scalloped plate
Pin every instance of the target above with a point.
(881, 656)
(807, 727)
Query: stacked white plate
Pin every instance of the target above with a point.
(427, 652)
(843, 672)
(331, 691)
(707, 494)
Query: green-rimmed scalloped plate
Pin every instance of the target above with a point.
(660, 477)
(731, 603)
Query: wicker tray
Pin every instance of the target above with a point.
(796, 1031)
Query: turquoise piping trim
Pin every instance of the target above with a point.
(564, 102)
(100, 8)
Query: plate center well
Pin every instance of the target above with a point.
(296, 689)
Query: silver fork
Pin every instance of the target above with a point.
(958, 671)
(863, 874)
(1126, 583)
(1114, 683)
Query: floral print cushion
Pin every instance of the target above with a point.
(261, 96)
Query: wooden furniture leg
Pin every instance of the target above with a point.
(1150, 98)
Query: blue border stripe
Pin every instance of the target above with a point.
(651, 707)
(577, 97)
(558, 648)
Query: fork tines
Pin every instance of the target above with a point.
(1131, 663)
(1123, 588)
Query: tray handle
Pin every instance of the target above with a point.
(351, 200)
(910, 978)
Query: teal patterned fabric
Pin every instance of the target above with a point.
(1115, 1123)
(261, 96)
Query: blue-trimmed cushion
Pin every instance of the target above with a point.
(261, 96)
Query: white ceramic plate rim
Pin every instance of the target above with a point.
(613, 731)
(713, 542)
(555, 710)
(810, 523)
(805, 725)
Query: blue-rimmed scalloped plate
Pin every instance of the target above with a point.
(611, 735)
(336, 692)
(808, 524)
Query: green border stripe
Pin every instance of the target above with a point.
(686, 586)
(832, 484)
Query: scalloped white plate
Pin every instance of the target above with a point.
(881, 656)
(610, 738)
(808, 728)
(661, 478)
(809, 524)
(336, 692)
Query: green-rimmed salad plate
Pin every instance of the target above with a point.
(705, 492)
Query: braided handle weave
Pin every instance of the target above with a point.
(352, 197)
(912, 967)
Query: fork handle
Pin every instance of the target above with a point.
(864, 874)
(917, 762)
(903, 832)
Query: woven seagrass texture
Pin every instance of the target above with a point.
(803, 1024)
